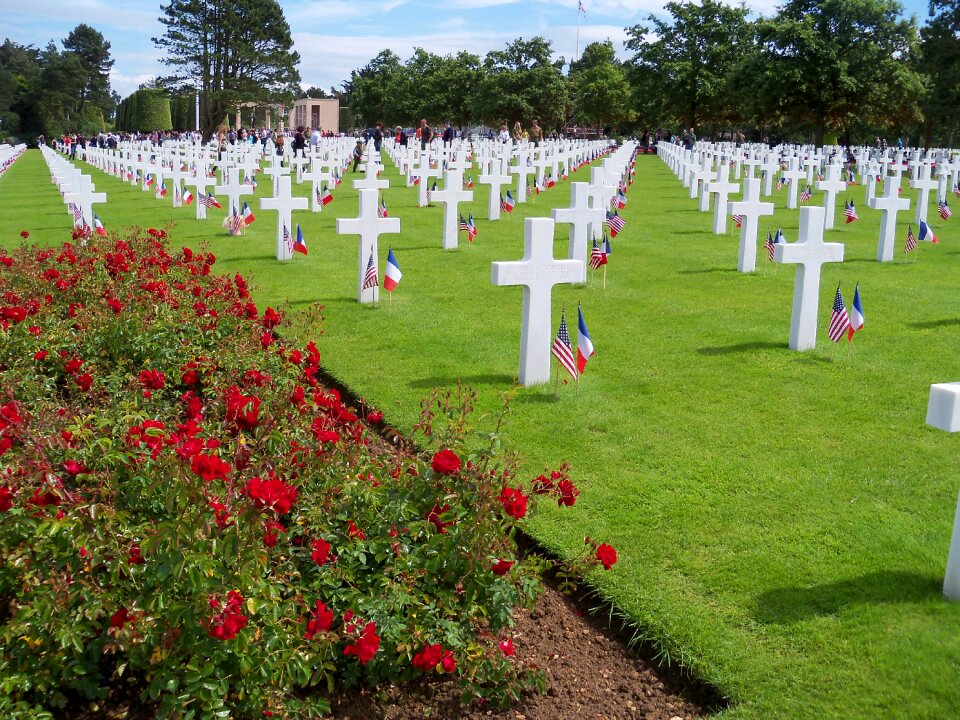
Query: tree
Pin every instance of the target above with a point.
(683, 72)
(234, 50)
(521, 83)
(939, 61)
(601, 93)
(379, 91)
(94, 55)
(833, 63)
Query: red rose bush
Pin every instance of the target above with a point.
(183, 501)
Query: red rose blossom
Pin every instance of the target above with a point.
(24, 234)
(606, 555)
(209, 467)
(321, 620)
(244, 410)
(152, 379)
(501, 567)
(445, 462)
(514, 502)
(507, 648)
(428, 658)
(321, 551)
(366, 645)
(567, 493)
(271, 494)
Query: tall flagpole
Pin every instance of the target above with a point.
(579, 5)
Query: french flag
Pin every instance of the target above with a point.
(584, 343)
(248, 217)
(299, 245)
(856, 314)
(187, 197)
(391, 278)
(326, 197)
(98, 226)
(926, 233)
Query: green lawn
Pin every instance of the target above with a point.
(782, 518)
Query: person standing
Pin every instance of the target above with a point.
(378, 136)
(299, 140)
(535, 134)
(517, 132)
(689, 138)
(447, 133)
(426, 134)
(504, 135)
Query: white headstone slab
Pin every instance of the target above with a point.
(890, 203)
(424, 173)
(579, 216)
(284, 203)
(369, 226)
(943, 412)
(809, 253)
(537, 272)
(750, 209)
(85, 197)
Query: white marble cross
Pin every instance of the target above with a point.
(234, 189)
(924, 184)
(890, 203)
(451, 196)
(496, 179)
(750, 209)
(297, 163)
(369, 226)
(424, 173)
(318, 175)
(522, 170)
(537, 272)
(284, 203)
(831, 187)
(579, 216)
(85, 196)
(178, 175)
(201, 182)
(371, 168)
(809, 253)
(276, 170)
(793, 175)
(721, 187)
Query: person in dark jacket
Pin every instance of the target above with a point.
(378, 137)
(426, 134)
(447, 133)
(299, 140)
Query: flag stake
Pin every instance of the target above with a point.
(556, 387)
(604, 287)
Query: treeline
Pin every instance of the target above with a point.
(53, 91)
(835, 70)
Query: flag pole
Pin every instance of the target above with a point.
(578, 31)
(556, 386)
(604, 287)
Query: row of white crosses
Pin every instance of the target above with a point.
(77, 189)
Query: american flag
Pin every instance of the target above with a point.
(235, 222)
(839, 320)
(209, 201)
(431, 190)
(956, 189)
(769, 245)
(370, 277)
(779, 183)
(945, 211)
(562, 349)
(597, 256)
(738, 219)
(287, 238)
(850, 211)
(382, 208)
(614, 222)
(473, 227)
(911, 243)
(77, 214)
(805, 194)
(464, 225)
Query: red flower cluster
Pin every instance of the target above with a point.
(243, 410)
(149, 433)
(271, 494)
(320, 621)
(152, 379)
(271, 532)
(229, 620)
(445, 462)
(434, 517)
(433, 655)
(558, 483)
(209, 467)
(514, 502)
(502, 567)
(365, 646)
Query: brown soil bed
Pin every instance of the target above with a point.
(592, 675)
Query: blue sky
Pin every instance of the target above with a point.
(334, 37)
